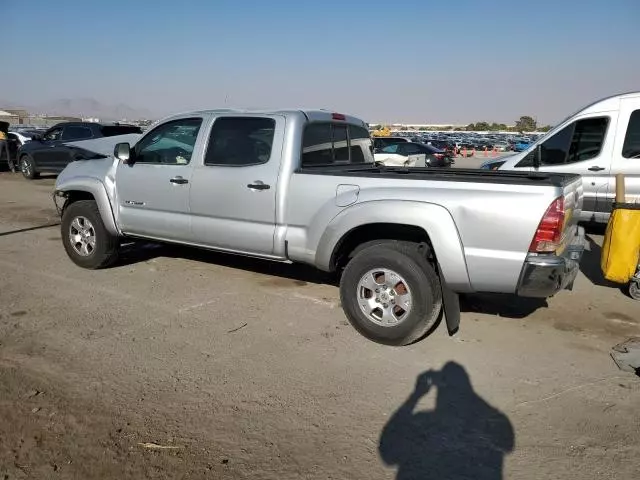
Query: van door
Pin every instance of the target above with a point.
(584, 147)
(626, 152)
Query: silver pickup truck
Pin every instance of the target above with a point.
(301, 186)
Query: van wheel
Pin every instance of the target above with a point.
(28, 168)
(85, 238)
(391, 294)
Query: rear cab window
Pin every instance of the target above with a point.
(333, 143)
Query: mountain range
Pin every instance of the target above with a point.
(83, 107)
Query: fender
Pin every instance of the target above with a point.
(434, 219)
(96, 188)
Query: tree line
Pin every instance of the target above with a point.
(523, 124)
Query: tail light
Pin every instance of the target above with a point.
(549, 233)
(439, 156)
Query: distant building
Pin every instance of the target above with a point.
(8, 117)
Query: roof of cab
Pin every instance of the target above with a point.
(607, 103)
(314, 115)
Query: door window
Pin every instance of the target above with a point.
(240, 141)
(76, 133)
(53, 134)
(170, 143)
(577, 142)
(631, 146)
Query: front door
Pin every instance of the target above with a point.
(233, 195)
(153, 189)
(583, 147)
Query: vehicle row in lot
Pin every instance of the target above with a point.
(51, 151)
(597, 142)
(302, 186)
(400, 151)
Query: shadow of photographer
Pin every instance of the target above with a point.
(462, 438)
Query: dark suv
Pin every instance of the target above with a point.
(49, 152)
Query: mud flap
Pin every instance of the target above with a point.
(451, 306)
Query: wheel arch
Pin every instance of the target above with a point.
(397, 220)
(89, 189)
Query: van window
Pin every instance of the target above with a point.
(631, 145)
(577, 142)
(331, 143)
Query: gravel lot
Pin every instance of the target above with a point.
(179, 363)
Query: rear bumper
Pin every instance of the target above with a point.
(545, 275)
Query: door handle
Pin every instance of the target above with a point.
(595, 168)
(258, 185)
(179, 180)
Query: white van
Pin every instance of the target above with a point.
(598, 142)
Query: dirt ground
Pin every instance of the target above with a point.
(179, 363)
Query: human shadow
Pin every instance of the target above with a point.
(462, 438)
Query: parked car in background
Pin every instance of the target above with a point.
(521, 145)
(597, 142)
(381, 142)
(447, 146)
(413, 155)
(50, 152)
(275, 185)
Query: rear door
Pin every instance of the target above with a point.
(584, 147)
(152, 193)
(233, 194)
(626, 152)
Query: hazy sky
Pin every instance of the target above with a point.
(421, 61)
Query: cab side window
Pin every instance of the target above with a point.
(240, 141)
(577, 142)
(171, 143)
(631, 145)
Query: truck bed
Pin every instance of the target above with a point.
(452, 175)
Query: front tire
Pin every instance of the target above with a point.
(391, 294)
(85, 238)
(28, 167)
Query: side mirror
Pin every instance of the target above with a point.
(122, 152)
(37, 137)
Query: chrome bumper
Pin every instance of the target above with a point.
(545, 275)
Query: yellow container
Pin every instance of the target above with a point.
(621, 248)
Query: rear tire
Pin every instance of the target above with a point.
(634, 290)
(396, 269)
(28, 167)
(85, 238)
